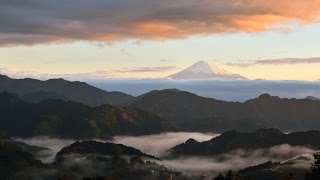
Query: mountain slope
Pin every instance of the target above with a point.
(15, 156)
(74, 120)
(36, 91)
(34, 150)
(234, 140)
(110, 161)
(81, 160)
(192, 112)
(100, 148)
(205, 70)
(294, 169)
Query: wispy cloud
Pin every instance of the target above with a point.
(32, 22)
(93, 75)
(144, 69)
(312, 60)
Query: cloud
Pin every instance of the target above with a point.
(29, 22)
(312, 60)
(158, 144)
(95, 75)
(144, 69)
(235, 160)
(85, 76)
(240, 159)
(54, 144)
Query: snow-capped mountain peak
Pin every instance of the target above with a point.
(205, 70)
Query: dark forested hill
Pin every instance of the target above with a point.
(35, 91)
(15, 155)
(234, 140)
(81, 160)
(100, 148)
(195, 113)
(74, 120)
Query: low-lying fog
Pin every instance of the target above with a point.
(159, 144)
(156, 145)
(54, 144)
(240, 159)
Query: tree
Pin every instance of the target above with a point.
(315, 168)
(219, 177)
(229, 175)
(291, 176)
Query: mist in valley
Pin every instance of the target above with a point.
(159, 145)
(240, 159)
(54, 145)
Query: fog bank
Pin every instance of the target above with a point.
(150, 144)
(240, 159)
(158, 144)
(54, 144)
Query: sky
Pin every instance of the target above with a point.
(273, 40)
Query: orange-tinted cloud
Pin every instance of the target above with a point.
(28, 22)
(156, 30)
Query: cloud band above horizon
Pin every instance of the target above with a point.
(313, 60)
(29, 22)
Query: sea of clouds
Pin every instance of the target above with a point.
(159, 145)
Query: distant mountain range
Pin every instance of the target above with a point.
(187, 111)
(205, 70)
(74, 120)
(35, 91)
(233, 140)
(194, 113)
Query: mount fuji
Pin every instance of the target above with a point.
(205, 70)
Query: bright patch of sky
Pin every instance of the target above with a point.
(81, 57)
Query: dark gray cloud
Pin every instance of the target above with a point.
(312, 60)
(28, 22)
